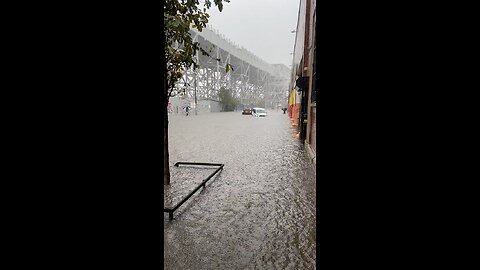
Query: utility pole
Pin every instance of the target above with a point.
(195, 91)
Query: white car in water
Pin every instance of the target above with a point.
(259, 112)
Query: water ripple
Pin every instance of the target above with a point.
(258, 213)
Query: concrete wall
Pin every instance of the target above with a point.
(177, 104)
(208, 106)
(215, 106)
(203, 106)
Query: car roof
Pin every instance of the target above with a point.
(256, 108)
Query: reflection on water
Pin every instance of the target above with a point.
(258, 213)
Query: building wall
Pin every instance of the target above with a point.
(215, 106)
(203, 106)
(207, 106)
(295, 115)
(294, 107)
(177, 104)
(312, 129)
(301, 61)
(299, 37)
(303, 66)
(311, 140)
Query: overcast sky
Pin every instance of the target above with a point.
(261, 26)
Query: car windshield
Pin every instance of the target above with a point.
(260, 111)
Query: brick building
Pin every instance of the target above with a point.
(303, 96)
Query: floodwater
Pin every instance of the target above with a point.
(258, 212)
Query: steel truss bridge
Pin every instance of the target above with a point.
(252, 81)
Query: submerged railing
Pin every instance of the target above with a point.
(171, 210)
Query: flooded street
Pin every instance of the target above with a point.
(258, 212)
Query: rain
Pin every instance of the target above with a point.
(259, 210)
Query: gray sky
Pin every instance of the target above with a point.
(261, 26)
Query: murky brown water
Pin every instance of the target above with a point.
(258, 213)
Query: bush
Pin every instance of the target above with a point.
(227, 101)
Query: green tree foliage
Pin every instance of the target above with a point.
(227, 101)
(180, 51)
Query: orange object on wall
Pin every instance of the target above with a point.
(295, 114)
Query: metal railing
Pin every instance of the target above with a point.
(171, 210)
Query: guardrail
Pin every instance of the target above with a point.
(171, 210)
